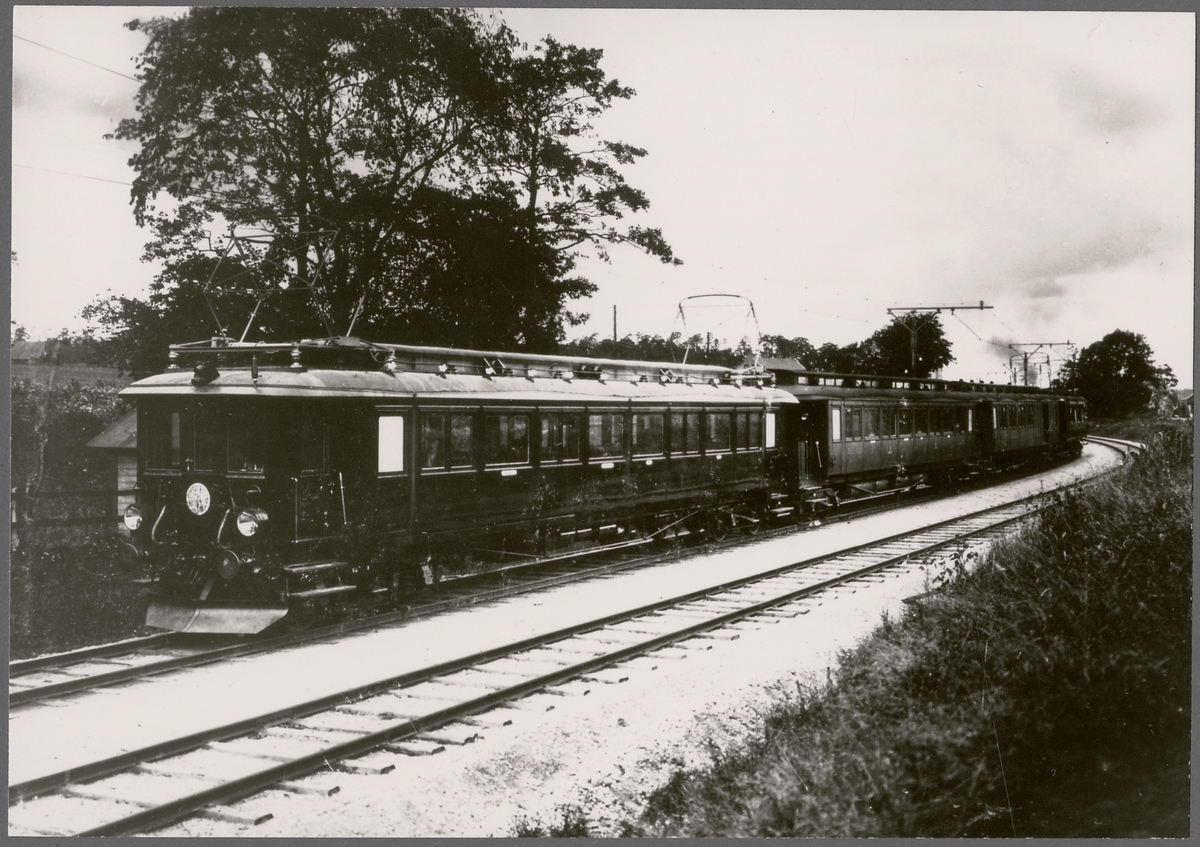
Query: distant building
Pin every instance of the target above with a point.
(120, 441)
(27, 352)
(1185, 403)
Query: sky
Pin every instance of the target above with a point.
(824, 165)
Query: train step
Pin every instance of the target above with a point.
(312, 567)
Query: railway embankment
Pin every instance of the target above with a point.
(1046, 691)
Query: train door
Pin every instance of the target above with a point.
(814, 419)
(985, 432)
(446, 445)
(507, 482)
(318, 491)
(389, 505)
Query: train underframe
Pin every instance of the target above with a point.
(193, 589)
(245, 592)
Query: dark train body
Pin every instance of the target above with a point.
(276, 474)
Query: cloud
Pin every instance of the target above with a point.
(1107, 108)
(1109, 245)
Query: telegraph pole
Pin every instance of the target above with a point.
(914, 317)
(1036, 345)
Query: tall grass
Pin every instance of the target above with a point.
(1047, 693)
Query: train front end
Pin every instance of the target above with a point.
(233, 490)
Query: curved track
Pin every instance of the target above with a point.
(90, 668)
(362, 728)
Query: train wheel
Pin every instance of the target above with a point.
(717, 526)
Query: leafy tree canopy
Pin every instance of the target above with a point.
(439, 175)
(1116, 375)
(888, 351)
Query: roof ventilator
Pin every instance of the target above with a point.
(204, 373)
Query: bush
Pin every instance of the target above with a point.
(1045, 694)
(72, 597)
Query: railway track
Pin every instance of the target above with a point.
(365, 729)
(79, 671)
(123, 662)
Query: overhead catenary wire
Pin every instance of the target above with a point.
(69, 173)
(76, 58)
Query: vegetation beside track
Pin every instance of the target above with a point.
(1044, 693)
(70, 597)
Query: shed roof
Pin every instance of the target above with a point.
(122, 435)
(24, 351)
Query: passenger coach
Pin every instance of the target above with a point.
(848, 432)
(276, 473)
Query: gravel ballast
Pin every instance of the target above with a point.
(604, 751)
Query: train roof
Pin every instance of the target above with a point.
(357, 354)
(793, 378)
(382, 385)
(344, 366)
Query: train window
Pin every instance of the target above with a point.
(462, 441)
(769, 434)
(506, 439)
(753, 438)
(685, 433)
(870, 423)
(904, 421)
(560, 437)
(921, 420)
(433, 441)
(391, 444)
(648, 434)
(176, 439)
(835, 426)
(247, 446)
(606, 435)
(887, 421)
(853, 423)
(937, 420)
(209, 431)
(970, 419)
(740, 431)
(312, 442)
(163, 439)
(718, 429)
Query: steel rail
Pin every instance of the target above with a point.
(421, 608)
(110, 766)
(25, 667)
(250, 784)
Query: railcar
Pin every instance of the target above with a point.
(852, 435)
(275, 474)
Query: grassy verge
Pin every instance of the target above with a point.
(1047, 693)
(71, 597)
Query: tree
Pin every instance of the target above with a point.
(570, 179)
(1116, 375)
(779, 347)
(382, 147)
(294, 120)
(889, 351)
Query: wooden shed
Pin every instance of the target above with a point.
(120, 440)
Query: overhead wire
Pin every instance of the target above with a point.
(69, 173)
(76, 58)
